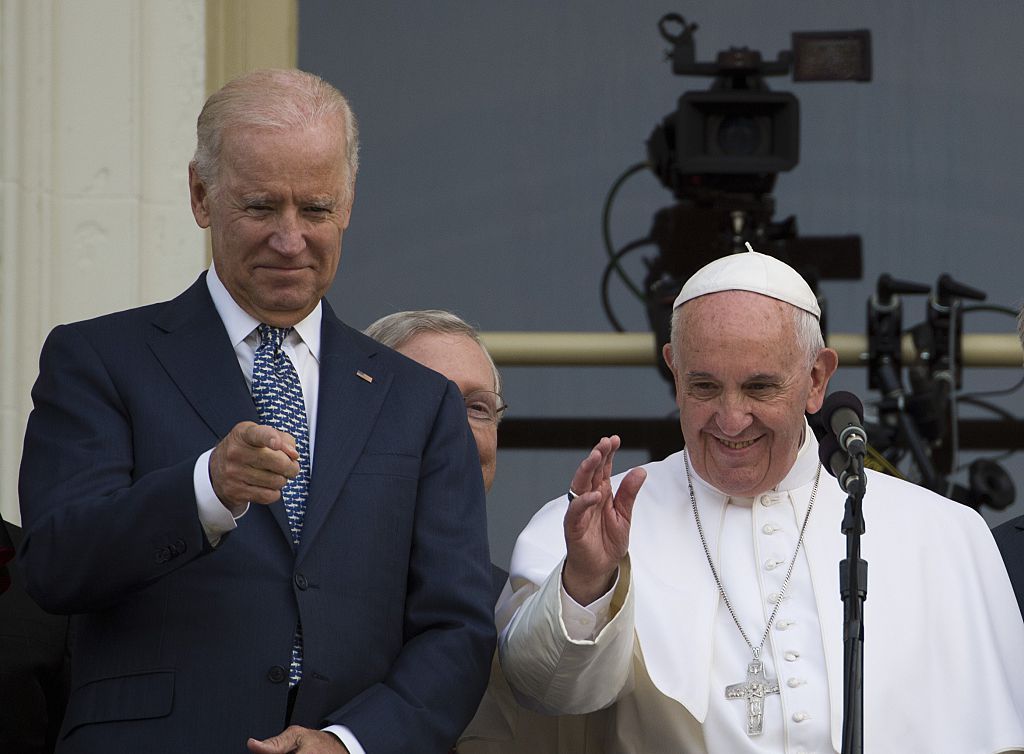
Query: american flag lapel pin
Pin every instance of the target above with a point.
(363, 375)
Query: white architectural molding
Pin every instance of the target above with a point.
(98, 102)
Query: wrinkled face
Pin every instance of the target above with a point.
(742, 387)
(460, 359)
(276, 217)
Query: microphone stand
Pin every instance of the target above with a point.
(853, 586)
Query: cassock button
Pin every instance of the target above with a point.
(766, 500)
(769, 529)
(795, 683)
(276, 674)
(792, 656)
(799, 717)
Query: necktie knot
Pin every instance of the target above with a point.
(272, 336)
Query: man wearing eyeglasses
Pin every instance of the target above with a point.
(447, 344)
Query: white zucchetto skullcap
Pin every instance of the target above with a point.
(751, 271)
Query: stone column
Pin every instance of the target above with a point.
(98, 101)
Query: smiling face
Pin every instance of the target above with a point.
(276, 217)
(742, 386)
(461, 360)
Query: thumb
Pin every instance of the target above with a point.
(279, 744)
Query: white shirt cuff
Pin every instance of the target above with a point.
(584, 623)
(213, 515)
(347, 738)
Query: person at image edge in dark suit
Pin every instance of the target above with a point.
(33, 661)
(1010, 535)
(234, 585)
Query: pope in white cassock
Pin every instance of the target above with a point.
(696, 599)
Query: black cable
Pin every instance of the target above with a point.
(1003, 391)
(999, 309)
(990, 308)
(613, 264)
(606, 225)
(999, 411)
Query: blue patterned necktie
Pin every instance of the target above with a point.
(277, 393)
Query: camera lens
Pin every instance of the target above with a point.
(739, 135)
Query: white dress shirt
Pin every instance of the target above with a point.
(302, 346)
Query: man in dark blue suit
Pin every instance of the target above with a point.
(208, 614)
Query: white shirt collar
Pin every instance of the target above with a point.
(240, 324)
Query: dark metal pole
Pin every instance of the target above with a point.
(853, 586)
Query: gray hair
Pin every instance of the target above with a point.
(273, 99)
(806, 327)
(395, 330)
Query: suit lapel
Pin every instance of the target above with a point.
(353, 385)
(192, 345)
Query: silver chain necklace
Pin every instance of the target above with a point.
(756, 687)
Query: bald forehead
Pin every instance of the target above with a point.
(455, 355)
(731, 315)
(738, 308)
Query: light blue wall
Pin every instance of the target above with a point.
(492, 132)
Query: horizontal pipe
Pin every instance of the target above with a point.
(512, 348)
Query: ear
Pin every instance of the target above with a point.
(199, 195)
(666, 354)
(824, 367)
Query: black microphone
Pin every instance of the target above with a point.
(843, 414)
(840, 464)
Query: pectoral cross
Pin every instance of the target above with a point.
(754, 690)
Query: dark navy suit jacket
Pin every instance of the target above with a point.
(1010, 538)
(179, 646)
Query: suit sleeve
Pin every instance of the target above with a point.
(96, 530)
(439, 676)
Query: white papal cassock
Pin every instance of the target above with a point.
(944, 640)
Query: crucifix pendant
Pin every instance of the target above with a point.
(754, 690)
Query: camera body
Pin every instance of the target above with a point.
(720, 153)
(739, 126)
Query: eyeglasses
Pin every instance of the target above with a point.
(485, 406)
